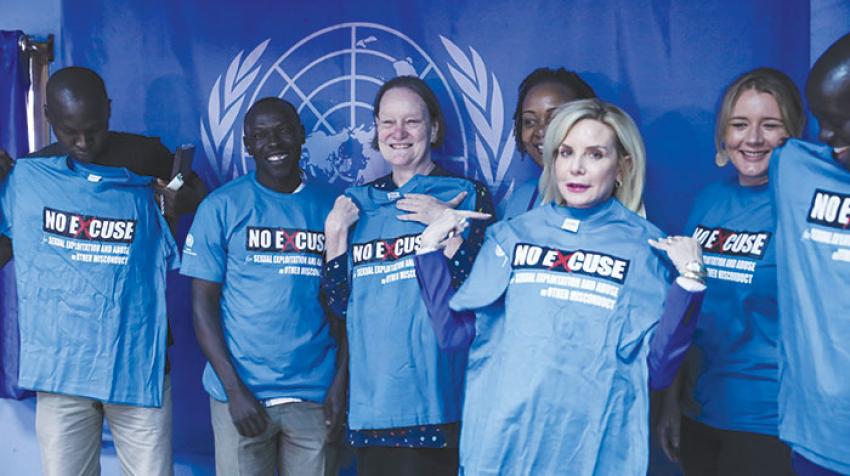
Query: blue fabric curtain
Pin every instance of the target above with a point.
(14, 84)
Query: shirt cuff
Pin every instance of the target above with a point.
(336, 270)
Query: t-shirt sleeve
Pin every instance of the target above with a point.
(489, 277)
(169, 246)
(205, 251)
(646, 296)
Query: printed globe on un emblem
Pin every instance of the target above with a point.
(332, 77)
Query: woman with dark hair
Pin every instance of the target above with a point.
(564, 388)
(404, 391)
(540, 93)
(730, 382)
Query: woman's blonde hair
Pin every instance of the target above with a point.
(764, 80)
(629, 188)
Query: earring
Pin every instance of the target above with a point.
(721, 159)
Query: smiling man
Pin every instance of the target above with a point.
(256, 252)
(811, 186)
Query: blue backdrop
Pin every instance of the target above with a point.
(187, 72)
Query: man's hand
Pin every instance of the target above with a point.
(6, 164)
(183, 201)
(248, 415)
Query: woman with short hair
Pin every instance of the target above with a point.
(404, 391)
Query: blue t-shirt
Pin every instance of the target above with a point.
(399, 377)
(732, 367)
(524, 197)
(564, 387)
(812, 197)
(266, 249)
(91, 256)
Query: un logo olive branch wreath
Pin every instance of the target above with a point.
(479, 89)
(486, 110)
(223, 108)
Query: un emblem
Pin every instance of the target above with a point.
(332, 76)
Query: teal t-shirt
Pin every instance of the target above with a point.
(812, 197)
(560, 385)
(524, 197)
(91, 256)
(399, 376)
(733, 380)
(266, 248)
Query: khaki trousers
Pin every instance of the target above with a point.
(295, 442)
(69, 433)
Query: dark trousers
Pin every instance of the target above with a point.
(709, 451)
(382, 461)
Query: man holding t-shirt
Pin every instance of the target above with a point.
(92, 252)
(256, 250)
(811, 187)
